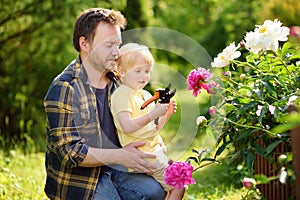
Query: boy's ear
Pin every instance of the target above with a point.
(84, 44)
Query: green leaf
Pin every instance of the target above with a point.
(286, 46)
(272, 146)
(259, 149)
(195, 151)
(261, 179)
(220, 149)
(245, 134)
(246, 107)
(194, 159)
(292, 117)
(264, 110)
(292, 121)
(209, 159)
(270, 88)
(249, 159)
(284, 127)
(276, 116)
(294, 57)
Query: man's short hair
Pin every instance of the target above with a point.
(87, 21)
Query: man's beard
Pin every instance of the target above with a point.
(109, 65)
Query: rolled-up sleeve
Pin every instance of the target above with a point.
(64, 124)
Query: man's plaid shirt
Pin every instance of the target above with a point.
(72, 127)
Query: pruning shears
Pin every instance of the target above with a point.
(164, 96)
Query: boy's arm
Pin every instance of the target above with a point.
(130, 124)
(171, 110)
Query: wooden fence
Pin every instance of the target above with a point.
(275, 190)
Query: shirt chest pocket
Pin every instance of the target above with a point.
(85, 114)
(85, 117)
(88, 115)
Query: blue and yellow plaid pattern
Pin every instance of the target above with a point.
(72, 127)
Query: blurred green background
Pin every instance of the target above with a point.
(36, 44)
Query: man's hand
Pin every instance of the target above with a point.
(129, 156)
(132, 158)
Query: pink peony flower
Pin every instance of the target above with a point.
(197, 80)
(179, 175)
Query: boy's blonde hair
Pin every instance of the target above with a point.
(129, 53)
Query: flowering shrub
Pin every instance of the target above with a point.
(255, 82)
(179, 175)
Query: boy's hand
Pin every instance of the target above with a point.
(172, 108)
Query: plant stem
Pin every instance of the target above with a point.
(254, 127)
(204, 165)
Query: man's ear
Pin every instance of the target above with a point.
(84, 44)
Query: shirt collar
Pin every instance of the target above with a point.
(79, 71)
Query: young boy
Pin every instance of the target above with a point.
(134, 66)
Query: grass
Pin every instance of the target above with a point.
(211, 184)
(22, 177)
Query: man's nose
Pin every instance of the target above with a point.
(116, 52)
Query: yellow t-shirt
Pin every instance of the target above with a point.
(127, 99)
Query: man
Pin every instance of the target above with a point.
(84, 159)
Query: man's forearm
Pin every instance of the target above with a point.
(98, 157)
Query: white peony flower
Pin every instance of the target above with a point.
(266, 36)
(228, 54)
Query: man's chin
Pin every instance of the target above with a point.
(110, 67)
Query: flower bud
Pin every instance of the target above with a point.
(201, 120)
(226, 75)
(282, 159)
(283, 176)
(242, 44)
(249, 183)
(295, 31)
(212, 110)
(242, 77)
